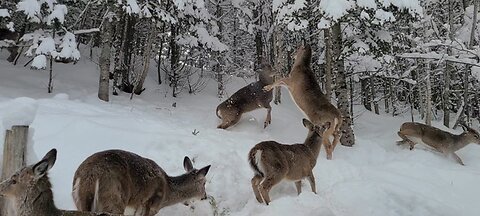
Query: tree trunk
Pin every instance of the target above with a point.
(373, 93)
(257, 14)
(104, 61)
(14, 158)
(218, 64)
(348, 137)
(174, 60)
(146, 59)
(328, 63)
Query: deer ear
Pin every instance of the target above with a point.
(307, 124)
(187, 164)
(47, 162)
(204, 170)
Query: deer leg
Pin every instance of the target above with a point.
(298, 185)
(255, 182)
(311, 179)
(283, 81)
(268, 120)
(405, 140)
(327, 144)
(267, 184)
(457, 158)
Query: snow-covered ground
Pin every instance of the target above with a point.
(375, 177)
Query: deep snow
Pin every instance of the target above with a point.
(375, 177)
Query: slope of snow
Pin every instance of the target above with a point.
(376, 177)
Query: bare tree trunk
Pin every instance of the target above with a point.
(218, 65)
(279, 48)
(448, 69)
(146, 59)
(465, 111)
(328, 63)
(104, 61)
(14, 158)
(373, 94)
(174, 60)
(348, 137)
(257, 14)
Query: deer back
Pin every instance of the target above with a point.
(295, 160)
(110, 172)
(250, 97)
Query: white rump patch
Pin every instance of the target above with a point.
(76, 191)
(129, 211)
(258, 161)
(95, 197)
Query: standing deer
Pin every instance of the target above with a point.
(309, 98)
(248, 98)
(123, 180)
(272, 162)
(442, 141)
(31, 191)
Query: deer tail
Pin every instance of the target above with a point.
(254, 159)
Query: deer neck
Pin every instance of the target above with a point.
(314, 143)
(461, 141)
(179, 190)
(38, 200)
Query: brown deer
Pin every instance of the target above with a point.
(123, 180)
(248, 98)
(12, 38)
(272, 162)
(442, 141)
(30, 190)
(309, 98)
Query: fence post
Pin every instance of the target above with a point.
(14, 158)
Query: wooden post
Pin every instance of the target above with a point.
(14, 154)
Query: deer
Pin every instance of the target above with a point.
(272, 162)
(123, 182)
(247, 99)
(444, 142)
(30, 191)
(309, 98)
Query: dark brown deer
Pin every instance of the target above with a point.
(31, 191)
(309, 98)
(11, 38)
(272, 162)
(248, 98)
(123, 181)
(446, 143)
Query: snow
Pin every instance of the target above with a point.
(132, 7)
(4, 13)
(384, 16)
(413, 6)
(368, 4)
(10, 26)
(375, 177)
(39, 62)
(30, 7)
(59, 12)
(69, 47)
(18, 111)
(47, 46)
(335, 9)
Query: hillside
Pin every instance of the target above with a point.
(375, 177)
